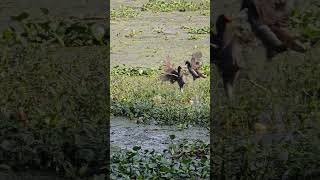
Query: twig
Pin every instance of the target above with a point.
(257, 85)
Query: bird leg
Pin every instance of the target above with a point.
(228, 87)
(181, 90)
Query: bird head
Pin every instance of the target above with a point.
(179, 69)
(221, 23)
(188, 63)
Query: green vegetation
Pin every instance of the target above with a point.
(180, 161)
(175, 5)
(307, 24)
(124, 12)
(48, 31)
(63, 99)
(271, 131)
(127, 12)
(287, 116)
(197, 30)
(138, 93)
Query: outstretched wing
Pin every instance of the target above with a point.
(169, 77)
(168, 66)
(169, 72)
(196, 60)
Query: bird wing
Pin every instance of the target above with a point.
(169, 77)
(169, 71)
(196, 60)
(193, 72)
(168, 66)
(171, 74)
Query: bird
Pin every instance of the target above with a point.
(173, 74)
(269, 21)
(195, 65)
(228, 48)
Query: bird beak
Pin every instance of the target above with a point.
(181, 90)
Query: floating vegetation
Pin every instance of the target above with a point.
(124, 12)
(48, 31)
(197, 30)
(186, 160)
(175, 5)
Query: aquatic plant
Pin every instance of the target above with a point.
(175, 5)
(124, 12)
(179, 161)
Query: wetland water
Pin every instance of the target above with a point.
(126, 134)
(147, 39)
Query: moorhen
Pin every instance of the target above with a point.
(173, 75)
(195, 65)
(228, 50)
(269, 21)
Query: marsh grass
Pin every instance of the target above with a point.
(143, 95)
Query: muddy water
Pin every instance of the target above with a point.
(126, 133)
(147, 39)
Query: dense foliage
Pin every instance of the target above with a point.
(180, 161)
(271, 130)
(50, 31)
(53, 114)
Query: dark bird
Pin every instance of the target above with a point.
(173, 75)
(217, 39)
(269, 21)
(195, 65)
(228, 48)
